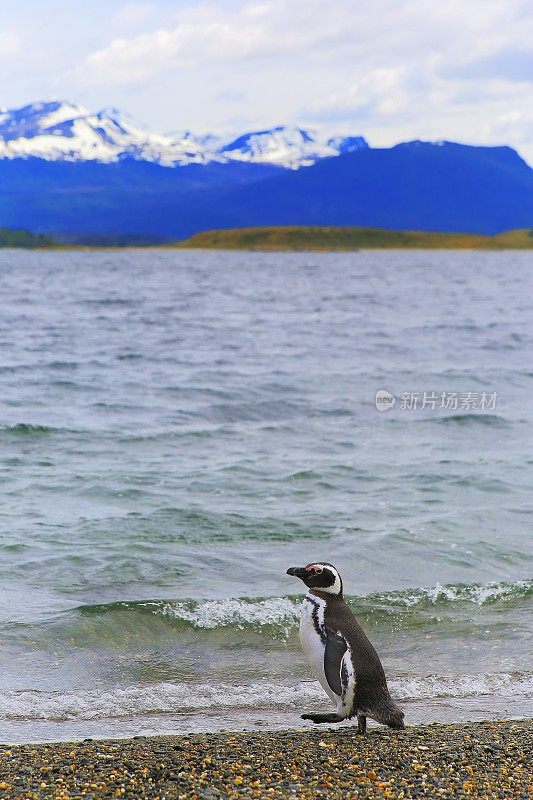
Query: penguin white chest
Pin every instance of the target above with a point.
(313, 639)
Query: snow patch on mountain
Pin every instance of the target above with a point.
(288, 146)
(58, 131)
(61, 131)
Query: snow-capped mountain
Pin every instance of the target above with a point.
(57, 131)
(288, 146)
(61, 131)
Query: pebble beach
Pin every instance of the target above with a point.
(473, 760)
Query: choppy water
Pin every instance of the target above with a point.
(177, 428)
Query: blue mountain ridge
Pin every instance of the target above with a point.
(414, 185)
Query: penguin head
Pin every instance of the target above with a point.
(321, 577)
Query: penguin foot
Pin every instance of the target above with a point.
(361, 724)
(320, 718)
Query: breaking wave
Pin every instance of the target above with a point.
(181, 698)
(282, 613)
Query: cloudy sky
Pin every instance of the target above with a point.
(388, 69)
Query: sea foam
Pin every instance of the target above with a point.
(180, 698)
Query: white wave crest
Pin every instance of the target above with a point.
(235, 612)
(160, 698)
(427, 687)
(180, 698)
(283, 612)
(476, 593)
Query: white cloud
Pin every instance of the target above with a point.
(386, 35)
(512, 64)
(381, 91)
(206, 33)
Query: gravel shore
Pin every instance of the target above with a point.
(474, 760)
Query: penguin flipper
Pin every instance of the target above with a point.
(333, 654)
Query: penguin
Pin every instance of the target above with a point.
(340, 654)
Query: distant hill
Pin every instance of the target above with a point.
(415, 186)
(296, 238)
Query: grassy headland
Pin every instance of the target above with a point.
(345, 239)
(470, 760)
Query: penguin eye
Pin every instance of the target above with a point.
(318, 570)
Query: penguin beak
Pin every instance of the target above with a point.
(297, 572)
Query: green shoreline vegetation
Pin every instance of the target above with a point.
(294, 238)
(464, 760)
(25, 239)
(291, 238)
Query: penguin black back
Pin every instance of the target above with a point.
(340, 653)
(371, 691)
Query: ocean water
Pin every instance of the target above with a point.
(178, 428)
